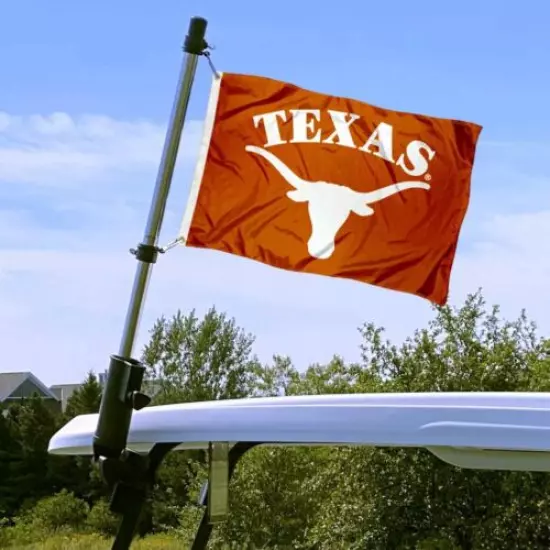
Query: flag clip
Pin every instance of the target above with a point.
(170, 245)
(206, 53)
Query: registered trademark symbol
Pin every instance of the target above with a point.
(428, 177)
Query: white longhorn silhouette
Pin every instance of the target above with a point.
(330, 204)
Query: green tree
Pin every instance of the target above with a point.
(86, 398)
(276, 379)
(312, 498)
(10, 467)
(192, 359)
(399, 498)
(32, 424)
(277, 495)
(79, 474)
(198, 360)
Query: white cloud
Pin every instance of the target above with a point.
(59, 150)
(74, 195)
(510, 260)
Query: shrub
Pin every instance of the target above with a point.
(19, 534)
(165, 515)
(60, 511)
(101, 519)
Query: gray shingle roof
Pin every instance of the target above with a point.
(10, 381)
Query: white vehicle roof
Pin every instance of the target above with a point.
(508, 431)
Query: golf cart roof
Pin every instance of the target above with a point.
(508, 431)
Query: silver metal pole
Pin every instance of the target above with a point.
(122, 392)
(158, 203)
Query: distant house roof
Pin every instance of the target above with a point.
(57, 388)
(64, 392)
(11, 381)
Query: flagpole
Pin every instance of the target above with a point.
(122, 391)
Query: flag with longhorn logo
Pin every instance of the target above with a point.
(333, 186)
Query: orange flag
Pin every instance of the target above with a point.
(320, 184)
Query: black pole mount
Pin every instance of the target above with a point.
(131, 478)
(128, 474)
(122, 395)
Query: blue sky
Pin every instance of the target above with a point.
(85, 92)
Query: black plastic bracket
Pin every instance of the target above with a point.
(205, 528)
(147, 253)
(122, 396)
(131, 477)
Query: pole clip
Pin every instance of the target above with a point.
(147, 253)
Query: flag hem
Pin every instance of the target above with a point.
(201, 160)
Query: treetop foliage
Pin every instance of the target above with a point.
(305, 498)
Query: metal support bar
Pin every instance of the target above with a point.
(205, 528)
(122, 390)
(218, 482)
